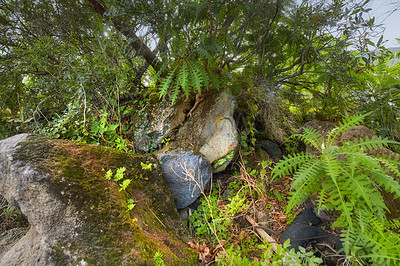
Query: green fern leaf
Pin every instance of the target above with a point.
(175, 93)
(311, 137)
(332, 166)
(389, 183)
(196, 76)
(214, 79)
(306, 181)
(344, 126)
(183, 79)
(360, 188)
(203, 53)
(201, 9)
(289, 164)
(166, 82)
(365, 145)
(160, 72)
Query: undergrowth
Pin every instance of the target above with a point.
(10, 216)
(222, 223)
(346, 178)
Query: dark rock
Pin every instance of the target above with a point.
(77, 217)
(303, 232)
(186, 173)
(271, 148)
(307, 216)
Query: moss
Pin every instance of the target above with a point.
(108, 235)
(226, 159)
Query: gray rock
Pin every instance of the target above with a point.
(186, 173)
(77, 217)
(212, 130)
(152, 127)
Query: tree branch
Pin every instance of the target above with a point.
(136, 42)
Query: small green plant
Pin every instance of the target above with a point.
(166, 141)
(282, 256)
(10, 216)
(119, 175)
(245, 139)
(125, 184)
(146, 166)
(158, 259)
(347, 179)
(131, 204)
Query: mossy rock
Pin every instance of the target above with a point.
(83, 217)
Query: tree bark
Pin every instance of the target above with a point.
(137, 43)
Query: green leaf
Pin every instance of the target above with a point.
(125, 184)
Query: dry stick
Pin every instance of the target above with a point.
(262, 233)
(213, 227)
(269, 239)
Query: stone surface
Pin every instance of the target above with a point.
(273, 150)
(186, 173)
(77, 217)
(211, 129)
(303, 232)
(153, 126)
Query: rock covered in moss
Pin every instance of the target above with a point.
(79, 217)
(186, 173)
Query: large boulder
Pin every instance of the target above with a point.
(205, 124)
(212, 130)
(77, 217)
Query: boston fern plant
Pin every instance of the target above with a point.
(347, 179)
(192, 72)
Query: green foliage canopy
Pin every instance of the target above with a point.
(104, 54)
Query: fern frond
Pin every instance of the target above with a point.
(307, 181)
(309, 171)
(394, 224)
(358, 186)
(344, 126)
(183, 80)
(311, 137)
(215, 80)
(386, 181)
(196, 77)
(175, 93)
(332, 165)
(322, 198)
(202, 7)
(204, 74)
(203, 53)
(392, 163)
(346, 209)
(161, 71)
(166, 82)
(383, 244)
(365, 145)
(289, 164)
